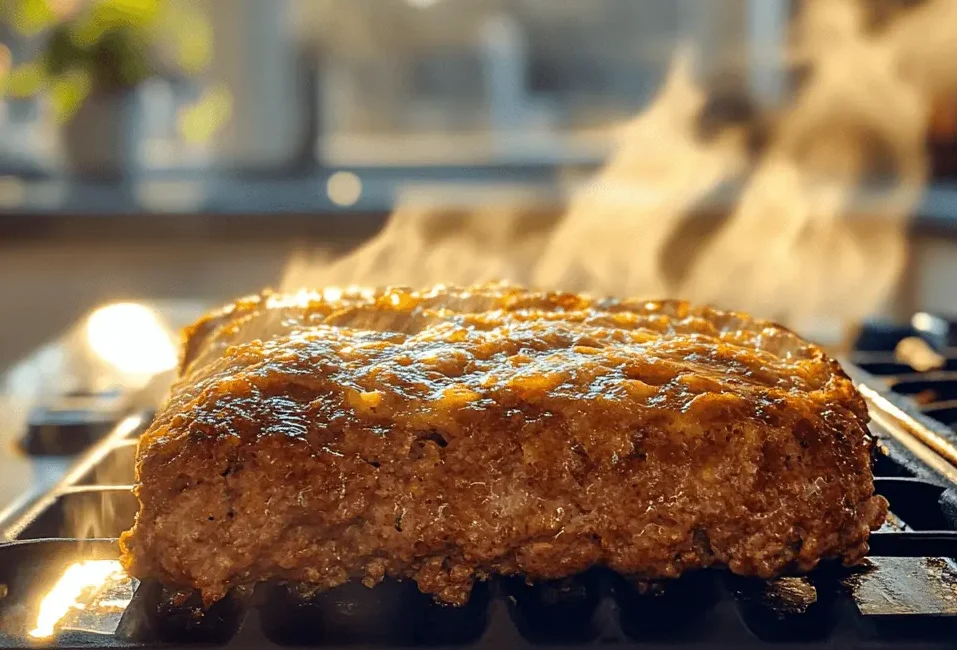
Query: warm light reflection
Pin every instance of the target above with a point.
(363, 292)
(81, 581)
(918, 354)
(344, 188)
(130, 337)
(115, 603)
(301, 298)
(305, 297)
(332, 294)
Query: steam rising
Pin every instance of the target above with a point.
(819, 223)
(819, 228)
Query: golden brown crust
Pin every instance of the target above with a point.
(449, 434)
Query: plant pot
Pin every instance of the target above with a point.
(99, 141)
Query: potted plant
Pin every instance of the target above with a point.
(94, 55)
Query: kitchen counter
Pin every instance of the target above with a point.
(302, 204)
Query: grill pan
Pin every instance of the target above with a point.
(904, 596)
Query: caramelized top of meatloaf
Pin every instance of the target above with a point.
(450, 434)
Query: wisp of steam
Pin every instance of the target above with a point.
(822, 202)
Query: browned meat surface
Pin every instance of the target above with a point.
(447, 435)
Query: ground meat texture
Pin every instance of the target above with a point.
(447, 435)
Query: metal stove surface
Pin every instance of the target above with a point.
(60, 585)
(58, 401)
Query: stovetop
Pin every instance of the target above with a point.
(58, 401)
(73, 398)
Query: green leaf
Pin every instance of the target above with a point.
(106, 16)
(32, 16)
(25, 80)
(121, 58)
(62, 53)
(194, 41)
(199, 122)
(68, 92)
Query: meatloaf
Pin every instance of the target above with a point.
(446, 435)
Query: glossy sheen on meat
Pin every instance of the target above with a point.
(446, 435)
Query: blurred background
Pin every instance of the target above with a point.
(203, 149)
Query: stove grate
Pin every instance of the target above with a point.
(904, 596)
